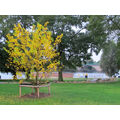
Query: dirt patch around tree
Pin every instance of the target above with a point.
(34, 95)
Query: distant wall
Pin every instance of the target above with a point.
(55, 75)
(51, 75)
(10, 76)
(65, 75)
(90, 75)
(6, 75)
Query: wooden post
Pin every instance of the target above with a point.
(38, 92)
(19, 91)
(49, 89)
(32, 89)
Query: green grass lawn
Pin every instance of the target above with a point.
(65, 94)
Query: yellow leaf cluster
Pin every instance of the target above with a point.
(33, 49)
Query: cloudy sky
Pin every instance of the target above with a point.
(96, 57)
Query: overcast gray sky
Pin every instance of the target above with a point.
(96, 57)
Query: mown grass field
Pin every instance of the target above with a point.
(65, 94)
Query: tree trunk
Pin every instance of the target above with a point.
(37, 77)
(14, 76)
(28, 75)
(37, 73)
(60, 76)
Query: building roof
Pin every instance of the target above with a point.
(95, 63)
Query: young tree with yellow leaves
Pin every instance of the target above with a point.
(33, 49)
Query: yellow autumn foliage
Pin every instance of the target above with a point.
(33, 49)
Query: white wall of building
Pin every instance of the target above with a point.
(10, 76)
(90, 75)
(6, 75)
(76, 75)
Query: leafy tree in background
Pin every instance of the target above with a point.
(97, 30)
(118, 54)
(108, 61)
(114, 30)
(113, 26)
(80, 35)
(109, 38)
